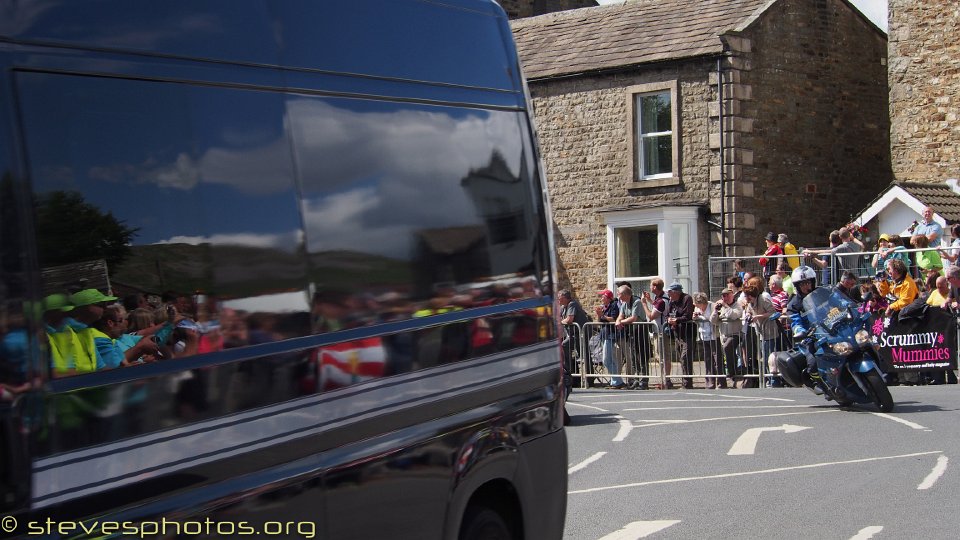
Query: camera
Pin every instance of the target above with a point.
(881, 275)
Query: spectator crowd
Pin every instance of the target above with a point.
(736, 335)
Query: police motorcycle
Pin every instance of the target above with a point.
(840, 345)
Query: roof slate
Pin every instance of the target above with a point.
(613, 36)
(944, 201)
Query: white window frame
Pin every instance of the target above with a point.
(663, 218)
(637, 179)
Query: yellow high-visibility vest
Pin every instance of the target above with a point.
(86, 358)
(66, 353)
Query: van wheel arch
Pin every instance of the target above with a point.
(492, 513)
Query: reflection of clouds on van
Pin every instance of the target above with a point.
(248, 170)
(286, 242)
(342, 217)
(345, 141)
(369, 184)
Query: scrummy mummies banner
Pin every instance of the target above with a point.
(915, 344)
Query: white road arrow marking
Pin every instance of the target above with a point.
(867, 533)
(935, 474)
(583, 464)
(747, 442)
(639, 529)
(901, 420)
(625, 427)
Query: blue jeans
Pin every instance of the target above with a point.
(609, 363)
(767, 346)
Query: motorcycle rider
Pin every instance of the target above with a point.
(804, 279)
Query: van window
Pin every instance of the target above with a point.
(264, 215)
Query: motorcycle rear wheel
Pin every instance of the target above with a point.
(879, 390)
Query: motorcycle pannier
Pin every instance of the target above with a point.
(791, 364)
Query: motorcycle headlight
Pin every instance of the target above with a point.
(844, 348)
(863, 337)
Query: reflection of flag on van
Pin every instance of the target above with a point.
(350, 362)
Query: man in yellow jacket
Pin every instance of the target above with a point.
(788, 249)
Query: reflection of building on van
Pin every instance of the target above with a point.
(327, 223)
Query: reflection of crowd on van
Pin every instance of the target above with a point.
(88, 330)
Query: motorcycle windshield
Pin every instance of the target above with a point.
(827, 308)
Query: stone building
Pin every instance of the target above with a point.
(628, 111)
(528, 8)
(924, 77)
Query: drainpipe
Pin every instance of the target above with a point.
(723, 172)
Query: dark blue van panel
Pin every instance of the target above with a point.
(450, 46)
(329, 217)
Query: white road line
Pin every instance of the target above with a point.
(625, 427)
(627, 401)
(639, 529)
(583, 464)
(724, 407)
(751, 398)
(867, 533)
(935, 474)
(586, 406)
(901, 420)
(751, 473)
(654, 423)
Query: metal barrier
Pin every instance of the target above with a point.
(638, 355)
(619, 356)
(641, 356)
(861, 263)
(573, 353)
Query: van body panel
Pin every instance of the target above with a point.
(333, 213)
(295, 35)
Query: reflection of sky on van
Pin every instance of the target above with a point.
(287, 242)
(170, 159)
(191, 163)
(345, 140)
(375, 172)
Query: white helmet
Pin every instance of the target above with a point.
(802, 273)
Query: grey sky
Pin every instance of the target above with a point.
(875, 10)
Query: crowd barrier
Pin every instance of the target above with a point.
(860, 263)
(641, 356)
(639, 353)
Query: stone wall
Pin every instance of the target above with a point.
(583, 128)
(812, 74)
(924, 80)
(528, 8)
(806, 138)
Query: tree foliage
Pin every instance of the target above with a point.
(71, 230)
